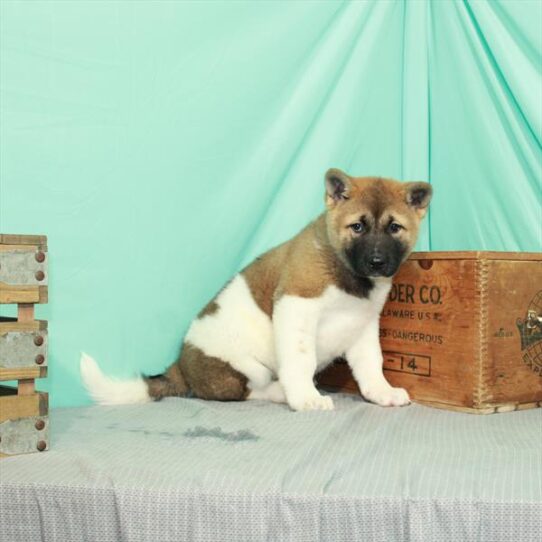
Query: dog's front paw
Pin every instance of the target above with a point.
(387, 396)
(312, 401)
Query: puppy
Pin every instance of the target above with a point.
(296, 308)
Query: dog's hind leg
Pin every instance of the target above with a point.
(211, 378)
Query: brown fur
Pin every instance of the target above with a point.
(211, 378)
(209, 309)
(303, 266)
(378, 199)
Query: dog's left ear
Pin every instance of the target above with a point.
(418, 196)
(338, 186)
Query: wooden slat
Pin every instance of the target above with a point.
(25, 312)
(19, 248)
(506, 377)
(20, 373)
(13, 406)
(476, 255)
(12, 239)
(11, 324)
(26, 387)
(22, 294)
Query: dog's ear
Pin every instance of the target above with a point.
(338, 185)
(418, 196)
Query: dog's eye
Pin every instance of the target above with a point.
(394, 227)
(357, 227)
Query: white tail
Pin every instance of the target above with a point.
(111, 391)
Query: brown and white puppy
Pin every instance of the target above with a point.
(297, 308)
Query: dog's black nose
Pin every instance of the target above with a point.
(376, 263)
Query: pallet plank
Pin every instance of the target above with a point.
(13, 407)
(22, 373)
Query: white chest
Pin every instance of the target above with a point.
(343, 318)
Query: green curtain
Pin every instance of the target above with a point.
(163, 145)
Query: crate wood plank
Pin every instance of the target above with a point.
(512, 365)
(475, 255)
(22, 373)
(25, 312)
(26, 386)
(431, 312)
(22, 294)
(13, 407)
(14, 239)
(12, 324)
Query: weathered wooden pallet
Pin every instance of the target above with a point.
(23, 345)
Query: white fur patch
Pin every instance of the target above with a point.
(272, 392)
(239, 333)
(310, 333)
(110, 391)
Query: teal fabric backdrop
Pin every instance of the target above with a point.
(162, 145)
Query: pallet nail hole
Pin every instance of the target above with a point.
(39, 359)
(40, 257)
(38, 340)
(41, 445)
(40, 275)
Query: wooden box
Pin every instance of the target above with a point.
(24, 420)
(462, 331)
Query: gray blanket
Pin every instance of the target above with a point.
(185, 470)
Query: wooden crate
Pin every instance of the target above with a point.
(24, 420)
(462, 331)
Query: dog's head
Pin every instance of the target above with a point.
(373, 223)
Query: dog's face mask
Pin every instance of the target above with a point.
(373, 223)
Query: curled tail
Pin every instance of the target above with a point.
(106, 390)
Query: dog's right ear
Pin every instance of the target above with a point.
(338, 185)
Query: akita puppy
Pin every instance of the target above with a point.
(296, 308)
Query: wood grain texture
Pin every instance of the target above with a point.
(13, 407)
(26, 386)
(23, 294)
(21, 373)
(25, 312)
(428, 321)
(510, 372)
(476, 255)
(39, 241)
(12, 324)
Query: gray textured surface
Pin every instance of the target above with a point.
(18, 268)
(17, 348)
(185, 469)
(21, 436)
